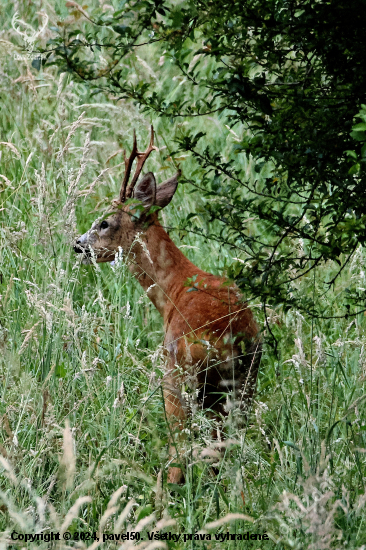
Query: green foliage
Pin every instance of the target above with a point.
(286, 79)
(359, 134)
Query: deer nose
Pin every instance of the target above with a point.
(77, 247)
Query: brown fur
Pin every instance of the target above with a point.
(211, 336)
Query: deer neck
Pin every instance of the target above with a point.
(160, 267)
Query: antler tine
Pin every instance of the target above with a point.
(128, 166)
(141, 158)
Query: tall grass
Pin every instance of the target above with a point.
(84, 441)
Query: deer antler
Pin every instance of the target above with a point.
(126, 191)
(128, 166)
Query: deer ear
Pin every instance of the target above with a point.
(165, 191)
(145, 190)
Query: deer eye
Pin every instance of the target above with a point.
(104, 225)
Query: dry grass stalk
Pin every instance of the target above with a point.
(227, 519)
(12, 147)
(9, 472)
(29, 334)
(75, 125)
(68, 460)
(6, 425)
(73, 512)
(6, 180)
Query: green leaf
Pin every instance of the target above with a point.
(358, 135)
(121, 29)
(354, 169)
(143, 512)
(352, 154)
(60, 370)
(292, 445)
(359, 127)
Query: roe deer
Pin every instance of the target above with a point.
(211, 335)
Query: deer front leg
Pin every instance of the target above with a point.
(176, 416)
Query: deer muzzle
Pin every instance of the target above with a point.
(82, 246)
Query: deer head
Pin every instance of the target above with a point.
(126, 218)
